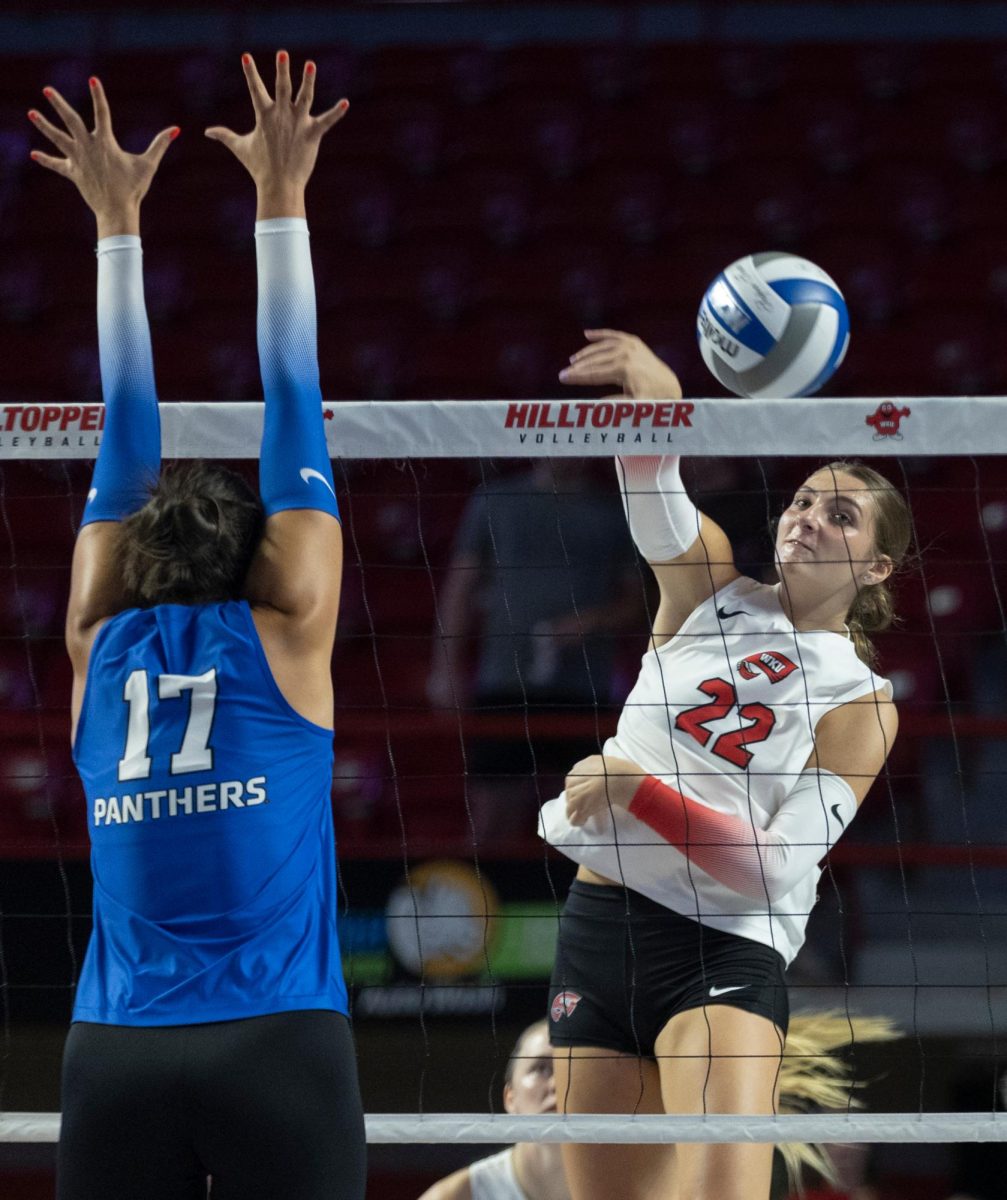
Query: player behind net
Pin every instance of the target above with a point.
(754, 731)
(210, 1035)
(812, 1076)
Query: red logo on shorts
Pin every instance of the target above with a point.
(564, 1004)
(774, 665)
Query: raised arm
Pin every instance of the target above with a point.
(295, 577)
(691, 555)
(112, 184)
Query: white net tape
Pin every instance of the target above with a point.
(540, 428)
(870, 427)
(620, 1128)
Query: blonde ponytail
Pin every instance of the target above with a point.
(814, 1075)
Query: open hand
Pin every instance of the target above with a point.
(622, 359)
(112, 181)
(599, 783)
(280, 152)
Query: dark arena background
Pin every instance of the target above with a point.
(510, 174)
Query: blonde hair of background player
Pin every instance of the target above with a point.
(815, 1075)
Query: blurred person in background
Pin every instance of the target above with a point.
(542, 578)
(526, 1170)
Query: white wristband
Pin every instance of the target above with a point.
(662, 519)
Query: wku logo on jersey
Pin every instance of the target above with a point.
(774, 665)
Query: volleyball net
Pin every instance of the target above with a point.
(448, 737)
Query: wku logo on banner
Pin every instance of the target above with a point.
(774, 665)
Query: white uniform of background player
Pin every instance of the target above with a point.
(525, 1171)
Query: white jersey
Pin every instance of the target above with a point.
(493, 1178)
(724, 712)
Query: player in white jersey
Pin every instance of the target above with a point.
(526, 1171)
(756, 728)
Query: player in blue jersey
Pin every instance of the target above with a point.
(210, 1035)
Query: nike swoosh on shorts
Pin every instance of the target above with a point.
(716, 991)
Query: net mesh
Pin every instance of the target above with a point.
(450, 902)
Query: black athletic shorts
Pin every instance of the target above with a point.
(267, 1106)
(626, 965)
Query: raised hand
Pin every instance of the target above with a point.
(611, 357)
(112, 181)
(280, 152)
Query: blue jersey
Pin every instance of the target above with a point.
(209, 807)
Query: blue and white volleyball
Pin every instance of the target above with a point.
(773, 325)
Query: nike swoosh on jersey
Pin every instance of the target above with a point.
(716, 991)
(725, 615)
(835, 813)
(309, 473)
(91, 494)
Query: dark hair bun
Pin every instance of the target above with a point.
(193, 541)
(195, 521)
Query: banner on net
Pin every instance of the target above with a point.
(542, 428)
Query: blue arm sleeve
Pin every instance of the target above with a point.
(129, 459)
(294, 466)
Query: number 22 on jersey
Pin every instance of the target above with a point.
(195, 752)
(731, 745)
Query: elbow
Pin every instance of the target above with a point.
(769, 887)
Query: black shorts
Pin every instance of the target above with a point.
(267, 1106)
(626, 965)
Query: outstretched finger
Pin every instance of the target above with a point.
(605, 349)
(595, 335)
(333, 116)
(283, 88)
(102, 113)
(306, 92)
(157, 148)
(59, 138)
(71, 118)
(591, 375)
(256, 88)
(60, 165)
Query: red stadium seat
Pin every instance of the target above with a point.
(870, 272)
(573, 279)
(835, 135)
(895, 199)
(632, 207)
(361, 202)
(908, 660)
(694, 133)
(32, 599)
(466, 74)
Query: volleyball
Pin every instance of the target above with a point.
(773, 324)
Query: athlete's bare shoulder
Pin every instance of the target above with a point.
(302, 671)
